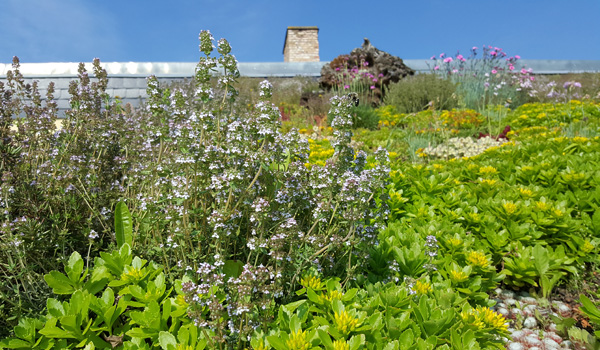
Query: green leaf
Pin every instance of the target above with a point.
(407, 337)
(325, 339)
(294, 324)
(276, 342)
(356, 341)
(74, 267)
(59, 283)
(233, 268)
(123, 225)
(541, 259)
(167, 340)
(14, 344)
(55, 308)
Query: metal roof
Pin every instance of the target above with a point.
(128, 79)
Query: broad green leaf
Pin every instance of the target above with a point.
(14, 344)
(59, 283)
(167, 340)
(123, 225)
(276, 342)
(325, 339)
(74, 268)
(356, 341)
(55, 308)
(294, 324)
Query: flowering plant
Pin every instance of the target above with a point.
(491, 79)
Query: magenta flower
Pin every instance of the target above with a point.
(381, 75)
(494, 71)
(372, 87)
(511, 67)
(337, 69)
(374, 80)
(365, 63)
(346, 86)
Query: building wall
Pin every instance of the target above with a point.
(301, 44)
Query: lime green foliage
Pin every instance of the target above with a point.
(591, 311)
(419, 92)
(122, 300)
(530, 207)
(382, 316)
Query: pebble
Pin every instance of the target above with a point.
(529, 310)
(533, 340)
(515, 346)
(530, 322)
(549, 343)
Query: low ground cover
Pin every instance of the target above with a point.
(213, 218)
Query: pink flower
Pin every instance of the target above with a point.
(372, 87)
(494, 71)
(381, 75)
(346, 86)
(447, 59)
(518, 57)
(365, 63)
(474, 48)
(459, 57)
(374, 80)
(511, 67)
(455, 71)
(442, 55)
(433, 57)
(337, 69)
(436, 68)
(493, 53)
(523, 71)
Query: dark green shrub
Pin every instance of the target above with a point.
(422, 91)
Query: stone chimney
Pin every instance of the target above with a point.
(301, 44)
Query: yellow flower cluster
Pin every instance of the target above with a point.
(478, 259)
(132, 275)
(422, 287)
(298, 341)
(509, 207)
(340, 345)
(462, 119)
(313, 282)
(488, 170)
(320, 151)
(458, 276)
(344, 322)
(333, 295)
(483, 317)
(388, 116)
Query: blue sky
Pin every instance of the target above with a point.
(167, 31)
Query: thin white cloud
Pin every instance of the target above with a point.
(55, 30)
